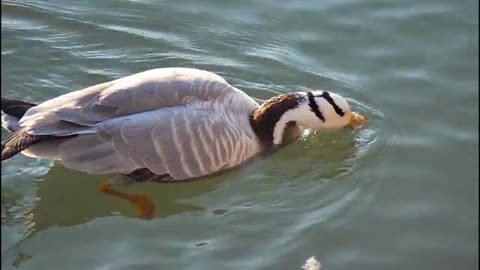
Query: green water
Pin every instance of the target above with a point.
(401, 193)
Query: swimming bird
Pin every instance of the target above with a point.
(165, 124)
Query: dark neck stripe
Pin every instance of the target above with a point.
(337, 109)
(314, 106)
(264, 119)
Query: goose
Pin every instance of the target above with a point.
(165, 124)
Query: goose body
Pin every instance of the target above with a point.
(167, 123)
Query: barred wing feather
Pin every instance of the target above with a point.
(183, 122)
(179, 141)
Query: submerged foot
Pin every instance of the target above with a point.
(143, 206)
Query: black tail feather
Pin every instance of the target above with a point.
(19, 141)
(15, 107)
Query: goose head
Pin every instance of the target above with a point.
(323, 109)
(280, 119)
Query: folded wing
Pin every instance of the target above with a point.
(175, 141)
(78, 112)
(183, 122)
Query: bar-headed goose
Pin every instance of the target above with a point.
(164, 124)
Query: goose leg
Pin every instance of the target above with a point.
(143, 206)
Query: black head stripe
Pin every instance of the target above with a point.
(337, 109)
(314, 106)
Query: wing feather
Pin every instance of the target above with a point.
(171, 146)
(141, 92)
(183, 122)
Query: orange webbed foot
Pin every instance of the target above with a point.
(143, 206)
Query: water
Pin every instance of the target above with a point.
(402, 193)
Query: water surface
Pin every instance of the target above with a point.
(401, 193)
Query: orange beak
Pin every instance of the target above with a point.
(356, 120)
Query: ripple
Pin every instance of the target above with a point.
(9, 23)
(149, 34)
(403, 12)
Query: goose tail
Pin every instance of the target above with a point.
(12, 111)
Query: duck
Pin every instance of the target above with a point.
(165, 125)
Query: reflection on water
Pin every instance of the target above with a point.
(11, 208)
(67, 198)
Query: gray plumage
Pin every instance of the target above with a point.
(183, 122)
